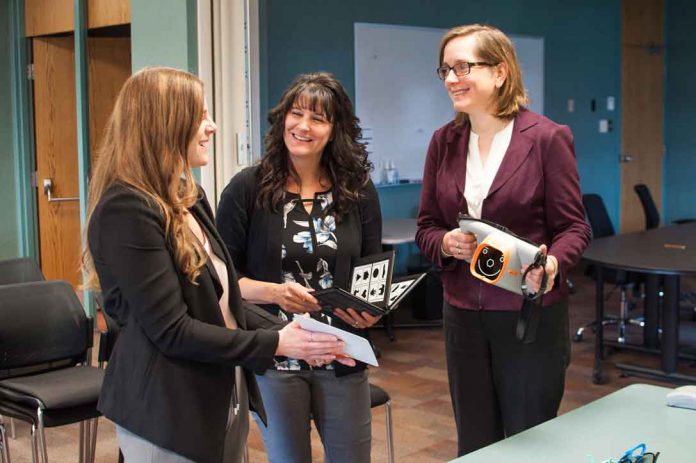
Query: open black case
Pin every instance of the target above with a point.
(372, 288)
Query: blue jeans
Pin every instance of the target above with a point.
(339, 406)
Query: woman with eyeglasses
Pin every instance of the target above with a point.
(500, 162)
(179, 382)
(293, 223)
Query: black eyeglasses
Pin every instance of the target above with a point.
(460, 69)
(647, 457)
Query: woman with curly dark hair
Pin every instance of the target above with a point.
(293, 223)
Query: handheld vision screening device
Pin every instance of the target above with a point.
(499, 254)
(498, 259)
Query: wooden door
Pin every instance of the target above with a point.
(109, 65)
(56, 156)
(642, 76)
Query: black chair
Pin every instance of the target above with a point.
(22, 270)
(378, 397)
(45, 349)
(601, 226)
(652, 215)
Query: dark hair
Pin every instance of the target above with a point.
(344, 159)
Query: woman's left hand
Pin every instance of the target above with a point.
(534, 276)
(356, 319)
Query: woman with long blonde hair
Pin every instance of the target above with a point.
(180, 379)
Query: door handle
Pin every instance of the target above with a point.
(625, 158)
(48, 187)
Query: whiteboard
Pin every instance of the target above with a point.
(400, 100)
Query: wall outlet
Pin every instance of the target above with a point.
(571, 105)
(611, 103)
(603, 126)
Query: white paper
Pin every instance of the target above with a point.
(356, 347)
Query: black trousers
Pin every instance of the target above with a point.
(499, 386)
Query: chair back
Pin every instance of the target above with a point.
(652, 216)
(20, 270)
(42, 324)
(597, 216)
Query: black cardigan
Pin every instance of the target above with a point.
(171, 373)
(253, 237)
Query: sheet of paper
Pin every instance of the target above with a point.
(356, 347)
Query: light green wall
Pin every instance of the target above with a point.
(9, 247)
(164, 33)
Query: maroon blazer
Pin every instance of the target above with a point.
(536, 194)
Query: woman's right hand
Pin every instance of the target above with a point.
(459, 244)
(294, 298)
(314, 348)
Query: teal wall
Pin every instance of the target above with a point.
(680, 112)
(9, 238)
(583, 57)
(164, 33)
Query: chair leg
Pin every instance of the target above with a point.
(42, 436)
(83, 442)
(4, 449)
(34, 444)
(390, 434)
(93, 440)
(13, 433)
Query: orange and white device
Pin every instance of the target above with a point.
(499, 254)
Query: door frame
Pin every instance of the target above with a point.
(23, 131)
(23, 135)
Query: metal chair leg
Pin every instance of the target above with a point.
(13, 433)
(34, 445)
(390, 436)
(42, 436)
(4, 449)
(82, 444)
(93, 439)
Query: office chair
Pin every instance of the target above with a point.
(379, 396)
(22, 270)
(45, 377)
(652, 215)
(601, 226)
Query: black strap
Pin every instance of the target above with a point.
(531, 307)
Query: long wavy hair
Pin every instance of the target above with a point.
(493, 46)
(344, 160)
(156, 116)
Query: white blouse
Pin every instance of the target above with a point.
(479, 177)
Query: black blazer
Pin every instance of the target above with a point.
(253, 238)
(171, 374)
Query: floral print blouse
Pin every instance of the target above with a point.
(308, 253)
